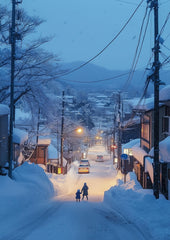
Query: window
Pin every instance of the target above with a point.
(165, 124)
(167, 111)
(145, 128)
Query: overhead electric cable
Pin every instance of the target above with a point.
(91, 59)
(166, 47)
(138, 104)
(100, 80)
(162, 29)
(166, 61)
(137, 54)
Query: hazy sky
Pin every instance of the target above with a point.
(82, 28)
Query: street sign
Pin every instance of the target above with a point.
(124, 156)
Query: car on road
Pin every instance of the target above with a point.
(99, 158)
(83, 168)
(84, 162)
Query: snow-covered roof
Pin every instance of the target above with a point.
(131, 122)
(4, 109)
(44, 141)
(52, 152)
(164, 150)
(164, 94)
(148, 103)
(19, 136)
(138, 153)
(131, 144)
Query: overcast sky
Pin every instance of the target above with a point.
(82, 28)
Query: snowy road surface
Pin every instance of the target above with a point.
(63, 218)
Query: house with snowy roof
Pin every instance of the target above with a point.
(147, 119)
(40, 153)
(143, 151)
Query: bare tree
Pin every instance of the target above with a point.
(34, 66)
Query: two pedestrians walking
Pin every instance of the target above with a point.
(84, 192)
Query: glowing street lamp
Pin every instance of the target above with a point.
(78, 130)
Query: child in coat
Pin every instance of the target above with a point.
(78, 193)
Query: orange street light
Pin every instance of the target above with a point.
(79, 130)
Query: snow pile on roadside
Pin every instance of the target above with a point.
(64, 184)
(140, 206)
(29, 187)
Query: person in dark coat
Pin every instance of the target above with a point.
(78, 193)
(84, 191)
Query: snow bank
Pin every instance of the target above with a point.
(140, 206)
(64, 184)
(29, 187)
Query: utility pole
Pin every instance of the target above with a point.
(12, 41)
(13, 37)
(119, 147)
(156, 66)
(37, 136)
(62, 131)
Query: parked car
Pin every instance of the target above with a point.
(99, 158)
(83, 168)
(84, 162)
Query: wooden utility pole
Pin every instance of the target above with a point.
(13, 36)
(37, 136)
(156, 66)
(119, 147)
(12, 42)
(62, 131)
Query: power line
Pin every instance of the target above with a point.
(137, 54)
(91, 59)
(166, 20)
(101, 80)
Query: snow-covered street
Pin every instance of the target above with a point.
(33, 208)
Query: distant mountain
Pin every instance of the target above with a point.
(94, 78)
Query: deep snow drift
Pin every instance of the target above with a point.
(32, 189)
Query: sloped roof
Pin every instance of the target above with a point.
(164, 94)
(19, 136)
(4, 109)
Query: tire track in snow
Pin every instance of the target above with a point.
(24, 230)
(117, 217)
